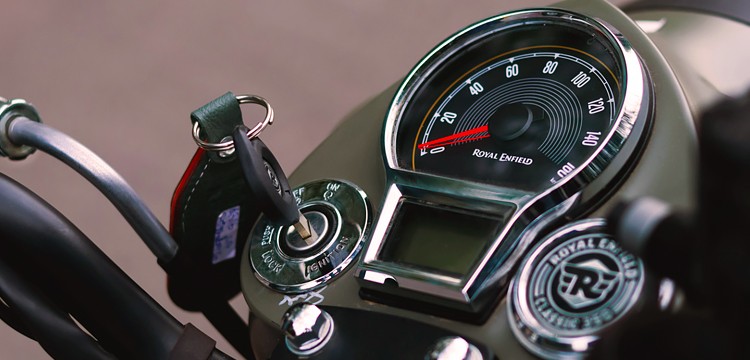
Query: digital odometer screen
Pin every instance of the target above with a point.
(439, 238)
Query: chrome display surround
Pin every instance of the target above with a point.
(532, 210)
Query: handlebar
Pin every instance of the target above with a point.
(48, 250)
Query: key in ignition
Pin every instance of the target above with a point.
(269, 184)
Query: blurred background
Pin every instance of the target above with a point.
(123, 76)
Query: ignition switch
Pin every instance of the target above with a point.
(338, 212)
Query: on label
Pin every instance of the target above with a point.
(331, 190)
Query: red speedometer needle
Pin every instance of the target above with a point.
(456, 138)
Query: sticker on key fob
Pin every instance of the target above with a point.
(225, 238)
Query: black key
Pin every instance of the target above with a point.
(268, 184)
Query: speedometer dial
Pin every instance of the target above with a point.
(520, 109)
(510, 125)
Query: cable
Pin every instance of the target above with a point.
(223, 317)
(12, 319)
(51, 327)
(53, 254)
(23, 131)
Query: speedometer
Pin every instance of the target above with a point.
(522, 108)
(525, 118)
(496, 133)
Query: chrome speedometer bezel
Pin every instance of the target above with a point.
(533, 210)
(632, 87)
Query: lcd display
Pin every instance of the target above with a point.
(445, 239)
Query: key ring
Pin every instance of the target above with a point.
(228, 146)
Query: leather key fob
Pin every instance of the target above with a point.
(212, 213)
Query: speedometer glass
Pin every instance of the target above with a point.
(497, 132)
(522, 118)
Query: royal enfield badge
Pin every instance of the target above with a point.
(575, 283)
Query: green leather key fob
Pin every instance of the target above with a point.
(211, 212)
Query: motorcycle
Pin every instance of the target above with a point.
(468, 141)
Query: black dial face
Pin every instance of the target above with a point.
(521, 108)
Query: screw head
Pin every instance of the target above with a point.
(453, 348)
(307, 328)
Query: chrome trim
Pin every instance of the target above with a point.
(554, 343)
(307, 329)
(491, 272)
(11, 110)
(311, 268)
(226, 145)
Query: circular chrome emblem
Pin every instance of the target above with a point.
(575, 283)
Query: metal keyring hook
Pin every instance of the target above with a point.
(228, 146)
